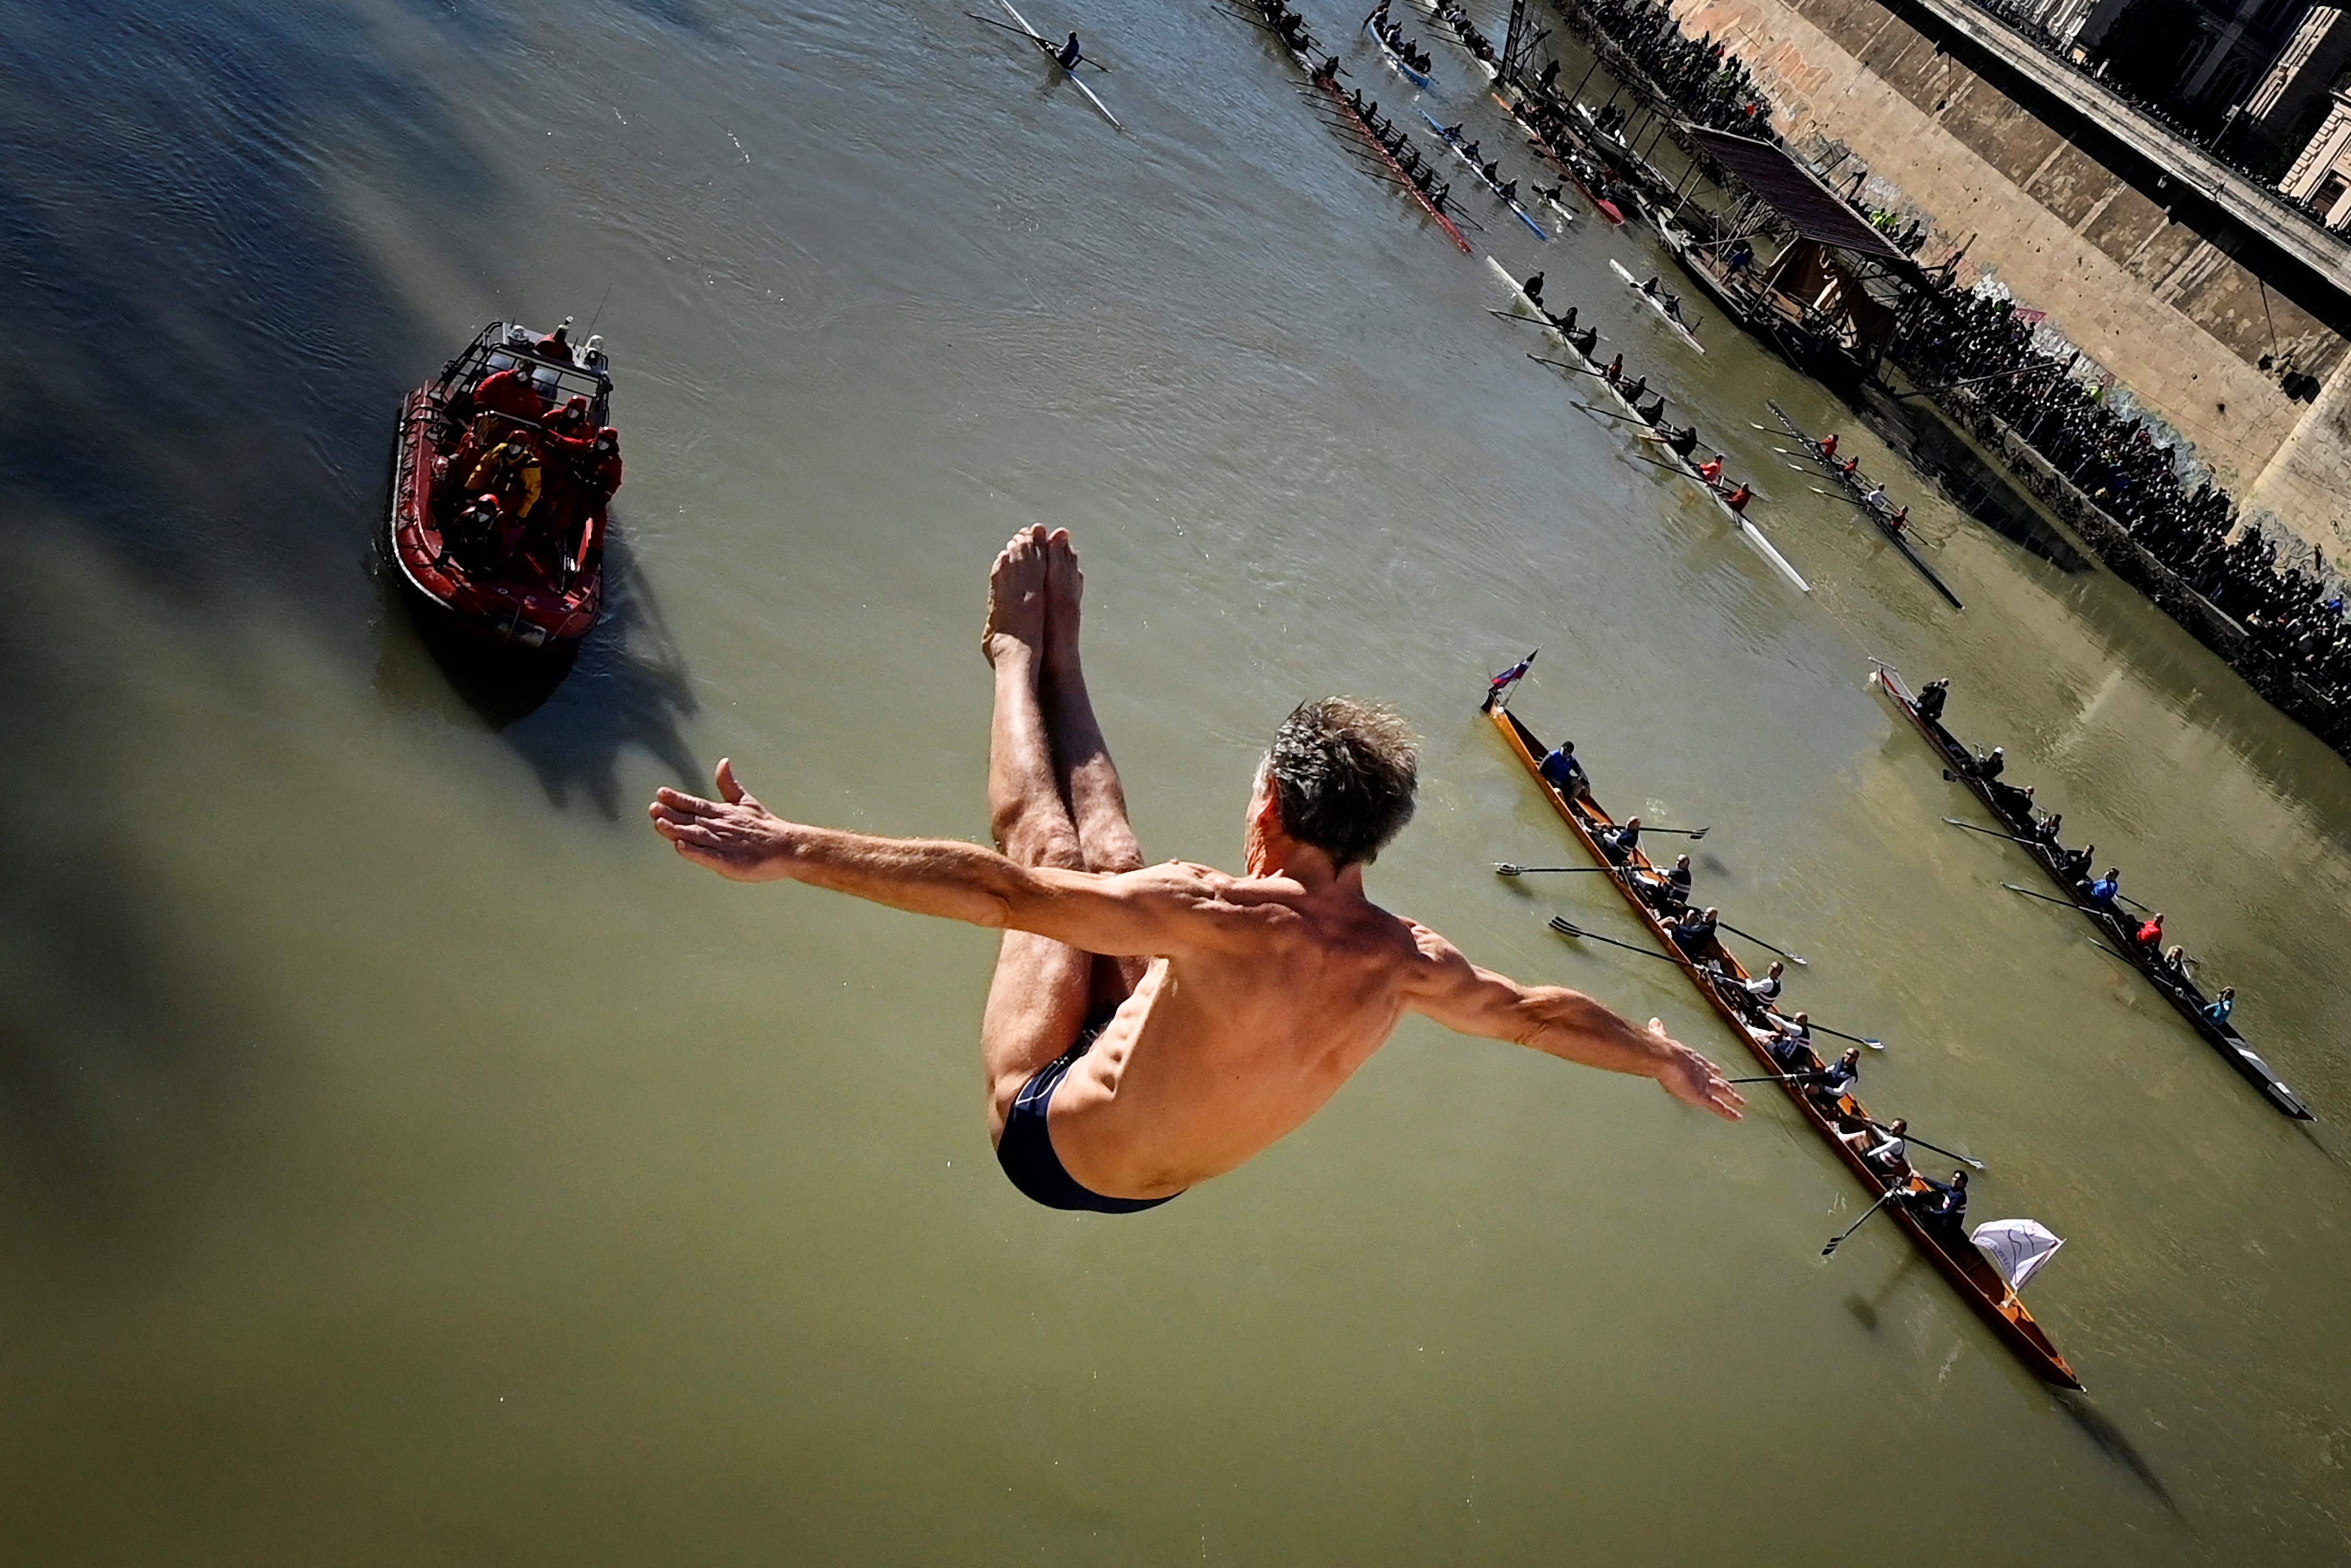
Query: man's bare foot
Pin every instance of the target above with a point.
(1015, 598)
(1064, 583)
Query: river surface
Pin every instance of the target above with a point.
(405, 1160)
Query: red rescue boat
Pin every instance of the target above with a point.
(503, 469)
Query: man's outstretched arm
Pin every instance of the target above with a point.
(1157, 911)
(1564, 1023)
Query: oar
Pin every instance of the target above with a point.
(1991, 833)
(1838, 1241)
(1514, 316)
(1678, 833)
(1603, 413)
(1782, 1077)
(1969, 1160)
(1796, 959)
(1504, 868)
(2062, 902)
(1856, 1039)
(1561, 925)
(1563, 365)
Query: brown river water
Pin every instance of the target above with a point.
(405, 1160)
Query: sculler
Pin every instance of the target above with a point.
(1068, 56)
(1150, 1028)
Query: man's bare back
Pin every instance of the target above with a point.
(1257, 997)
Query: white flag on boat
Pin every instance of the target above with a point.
(2018, 1247)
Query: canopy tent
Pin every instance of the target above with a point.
(1795, 192)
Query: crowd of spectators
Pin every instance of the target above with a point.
(1704, 80)
(2293, 620)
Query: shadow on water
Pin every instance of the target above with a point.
(2113, 1442)
(569, 716)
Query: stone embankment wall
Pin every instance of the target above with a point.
(2177, 319)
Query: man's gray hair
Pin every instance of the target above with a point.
(1343, 774)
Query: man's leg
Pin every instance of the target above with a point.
(1087, 777)
(1037, 1002)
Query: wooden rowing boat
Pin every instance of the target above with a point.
(1880, 518)
(2185, 995)
(1955, 1256)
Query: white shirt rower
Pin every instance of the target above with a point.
(1767, 986)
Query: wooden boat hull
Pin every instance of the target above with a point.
(2188, 1000)
(1956, 1259)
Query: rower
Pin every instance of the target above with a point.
(1509, 190)
(1655, 413)
(1635, 390)
(1438, 198)
(1621, 842)
(1564, 773)
(1711, 469)
(1789, 1041)
(1931, 697)
(2105, 890)
(1555, 194)
(1737, 500)
(2074, 865)
(1766, 989)
(1674, 888)
(1683, 441)
(1898, 521)
(1565, 323)
(1585, 342)
(1890, 1155)
(1828, 444)
(2174, 963)
(1875, 499)
(1674, 309)
(1991, 768)
(1614, 372)
(1846, 469)
(1694, 934)
(1470, 153)
(1453, 134)
(1492, 171)
(2149, 936)
(2217, 1012)
(1533, 288)
(2045, 831)
(1836, 1081)
(1068, 56)
(1650, 288)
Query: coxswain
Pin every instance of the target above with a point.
(1498, 690)
(1564, 773)
(2149, 936)
(1614, 372)
(2218, 1010)
(1620, 843)
(1695, 934)
(1737, 500)
(1828, 444)
(2105, 890)
(1766, 988)
(1683, 441)
(1655, 413)
(1711, 469)
(1931, 697)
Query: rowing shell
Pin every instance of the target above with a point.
(1874, 511)
(1656, 305)
(1396, 61)
(1055, 55)
(1542, 144)
(1519, 289)
(1672, 461)
(1471, 164)
(1955, 1256)
(1493, 72)
(2185, 995)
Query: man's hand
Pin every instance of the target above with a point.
(1693, 1080)
(734, 835)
